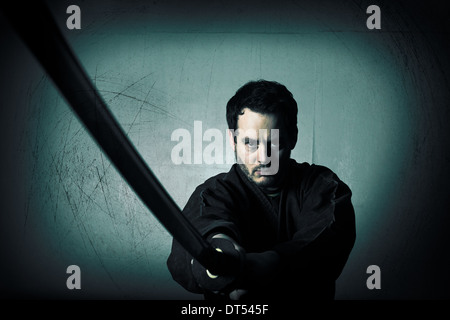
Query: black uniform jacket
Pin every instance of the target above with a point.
(311, 225)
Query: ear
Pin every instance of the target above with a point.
(294, 141)
(231, 136)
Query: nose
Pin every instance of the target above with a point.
(263, 156)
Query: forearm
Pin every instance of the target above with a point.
(328, 252)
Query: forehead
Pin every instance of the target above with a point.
(251, 120)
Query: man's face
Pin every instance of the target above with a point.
(259, 148)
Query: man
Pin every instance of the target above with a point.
(292, 225)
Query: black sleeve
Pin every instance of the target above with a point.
(322, 249)
(210, 211)
(179, 265)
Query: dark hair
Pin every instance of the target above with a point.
(265, 97)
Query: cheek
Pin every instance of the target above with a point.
(246, 156)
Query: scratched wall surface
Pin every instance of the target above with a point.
(373, 106)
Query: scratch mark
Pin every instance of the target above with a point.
(129, 86)
(85, 235)
(154, 107)
(212, 68)
(141, 107)
(103, 190)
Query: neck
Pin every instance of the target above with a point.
(272, 191)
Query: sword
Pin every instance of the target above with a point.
(36, 26)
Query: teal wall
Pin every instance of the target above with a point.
(373, 107)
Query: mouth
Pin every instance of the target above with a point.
(258, 172)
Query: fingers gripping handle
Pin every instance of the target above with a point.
(227, 264)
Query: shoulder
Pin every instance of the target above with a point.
(307, 171)
(221, 181)
(224, 186)
(307, 176)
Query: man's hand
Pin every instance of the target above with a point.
(235, 244)
(258, 269)
(221, 282)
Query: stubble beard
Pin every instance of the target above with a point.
(263, 182)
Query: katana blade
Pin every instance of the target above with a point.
(38, 29)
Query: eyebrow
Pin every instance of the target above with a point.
(248, 139)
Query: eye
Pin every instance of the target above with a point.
(250, 144)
